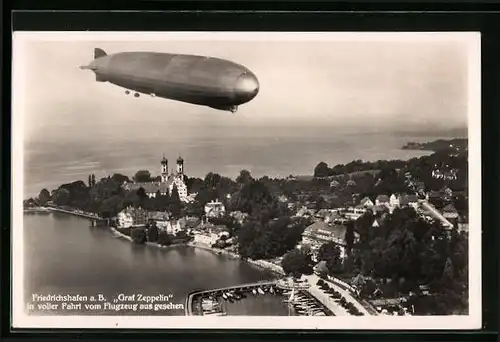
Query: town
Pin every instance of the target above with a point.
(391, 235)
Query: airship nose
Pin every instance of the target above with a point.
(246, 86)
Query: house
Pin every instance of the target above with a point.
(447, 192)
(382, 200)
(445, 174)
(132, 217)
(380, 209)
(350, 182)
(215, 209)
(434, 197)
(353, 213)
(239, 216)
(206, 238)
(334, 183)
(375, 223)
(366, 202)
(450, 212)
(321, 232)
(409, 201)
(283, 199)
(394, 200)
(304, 212)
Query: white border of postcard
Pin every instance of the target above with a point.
(471, 321)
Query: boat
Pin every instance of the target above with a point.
(260, 290)
(224, 296)
(254, 291)
(271, 290)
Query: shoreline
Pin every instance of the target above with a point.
(262, 264)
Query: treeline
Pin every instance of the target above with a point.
(407, 251)
(420, 169)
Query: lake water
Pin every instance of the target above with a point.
(59, 159)
(63, 255)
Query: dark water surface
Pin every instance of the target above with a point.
(63, 255)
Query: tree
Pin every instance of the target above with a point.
(61, 196)
(211, 180)
(164, 239)
(142, 176)
(296, 263)
(93, 180)
(44, 197)
(138, 235)
(244, 177)
(153, 232)
(330, 253)
(90, 181)
(119, 178)
(175, 203)
(321, 170)
(349, 236)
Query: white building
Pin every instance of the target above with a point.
(206, 238)
(215, 209)
(353, 213)
(394, 200)
(130, 217)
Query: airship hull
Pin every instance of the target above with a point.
(199, 80)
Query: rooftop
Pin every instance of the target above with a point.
(320, 227)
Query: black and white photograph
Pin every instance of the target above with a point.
(267, 180)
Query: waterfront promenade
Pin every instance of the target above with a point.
(325, 299)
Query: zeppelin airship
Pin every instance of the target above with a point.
(199, 80)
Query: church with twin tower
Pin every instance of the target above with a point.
(166, 183)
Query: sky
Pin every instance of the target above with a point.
(342, 84)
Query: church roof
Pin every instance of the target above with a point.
(180, 160)
(152, 187)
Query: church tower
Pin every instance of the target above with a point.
(164, 169)
(180, 166)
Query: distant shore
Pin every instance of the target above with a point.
(438, 145)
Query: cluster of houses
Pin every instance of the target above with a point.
(329, 224)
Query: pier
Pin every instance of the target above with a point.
(241, 287)
(95, 220)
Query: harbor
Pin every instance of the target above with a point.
(237, 300)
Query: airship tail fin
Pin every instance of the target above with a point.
(99, 53)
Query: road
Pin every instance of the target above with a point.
(331, 304)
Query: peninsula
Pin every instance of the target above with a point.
(458, 144)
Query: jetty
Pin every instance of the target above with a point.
(94, 219)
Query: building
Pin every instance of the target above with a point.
(238, 216)
(394, 200)
(409, 201)
(367, 202)
(166, 184)
(131, 217)
(215, 209)
(334, 183)
(206, 238)
(353, 213)
(445, 174)
(321, 232)
(382, 200)
(450, 212)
